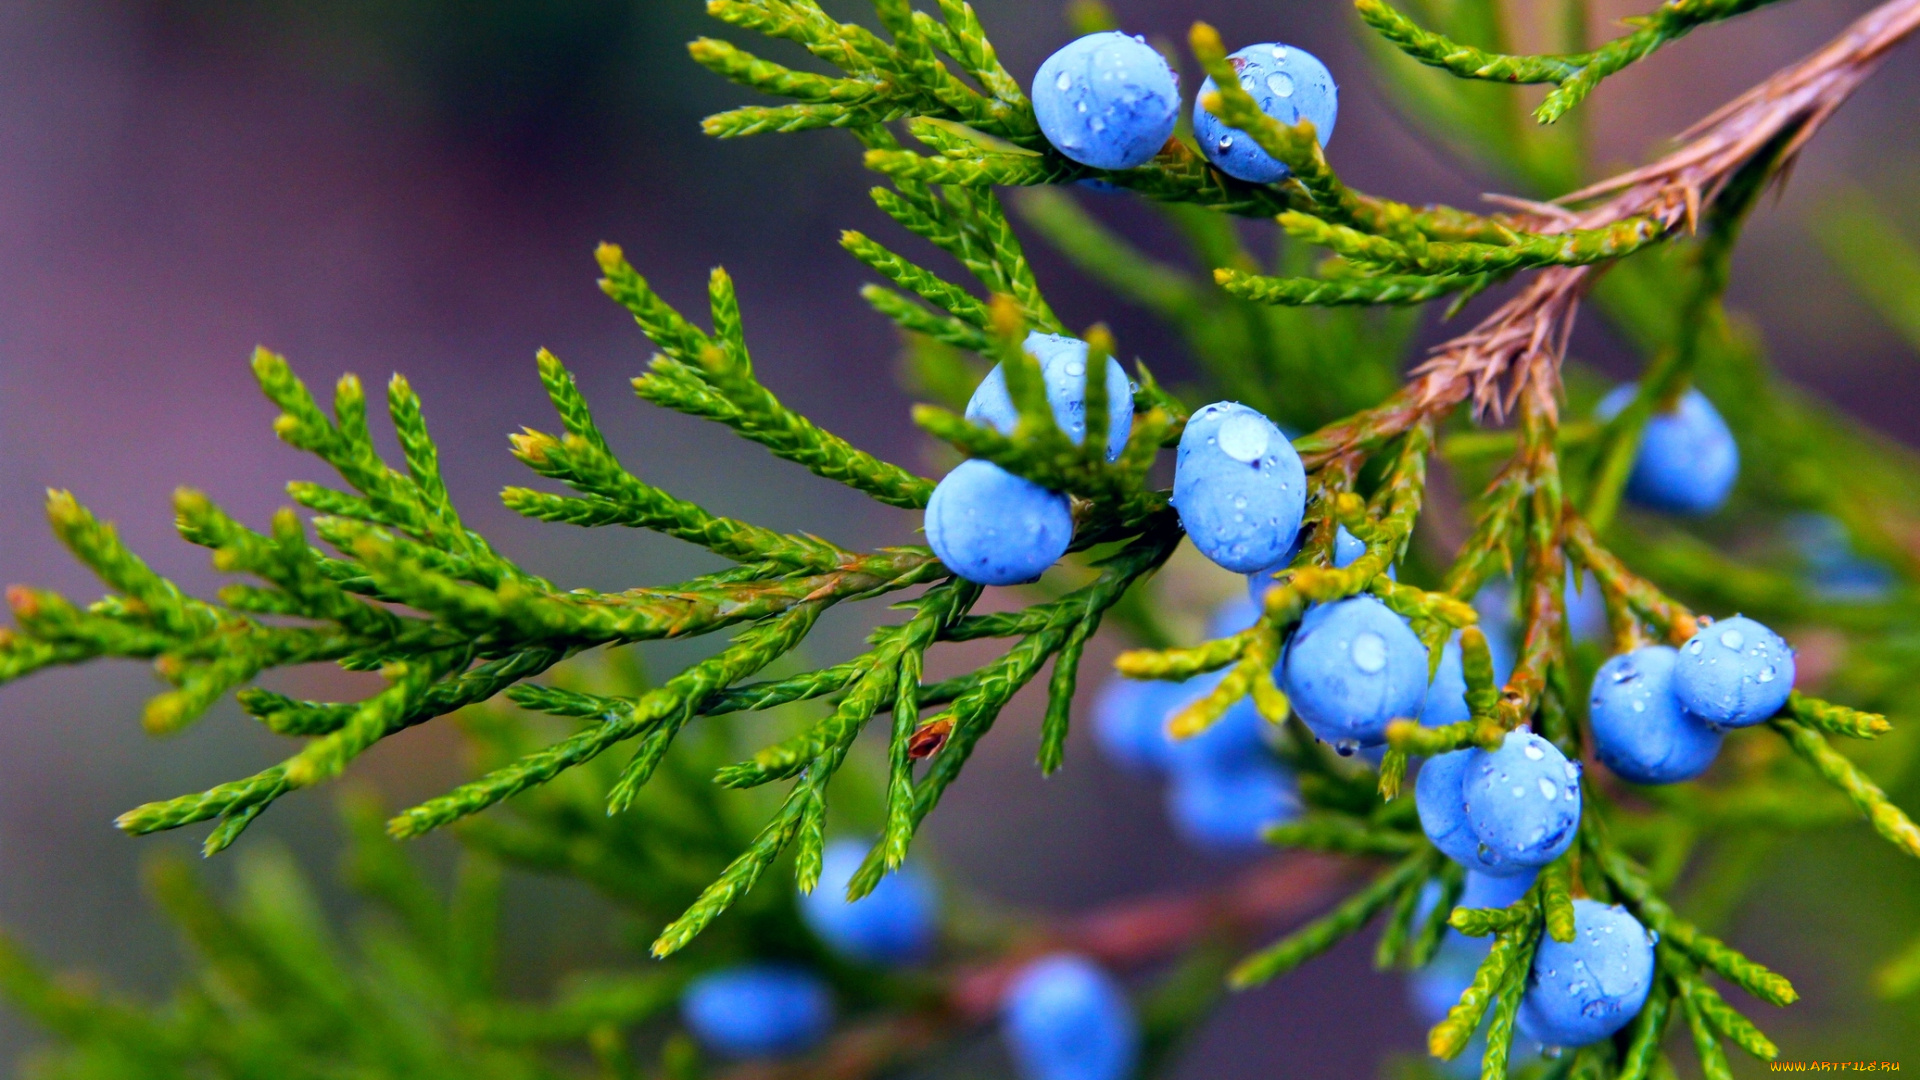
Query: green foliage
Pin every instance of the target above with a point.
(679, 833)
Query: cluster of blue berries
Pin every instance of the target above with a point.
(1504, 814)
(1063, 1017)
(1224, 786)
(774, 1010)
(1110, 101)
(1658, 713)
(1687, 461)
(994, 528)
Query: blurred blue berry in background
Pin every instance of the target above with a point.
(1834, 570)
(1688, 460)
(1225, 809)
(758, 1010)
(1065, 1018)
(1130, 720)
(1290, 85)
(1107, 100)
(896, 923)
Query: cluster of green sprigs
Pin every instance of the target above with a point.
(416, 989)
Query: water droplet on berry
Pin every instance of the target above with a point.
(1733, 639)
(1369, 652)
(1346, 748)
(1244, 437)
(1225, 144)
(1246, 81)
(1519, 791)
(1082, 106)
(1239, 502)
(1547, 789)
(1281, 84)
(1076, 369)
(1693, 649)
(1767, 674)
(1639, 706)
(1064, 82)
(1534, 752)
(1098, 125)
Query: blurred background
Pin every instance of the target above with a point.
(418, 185)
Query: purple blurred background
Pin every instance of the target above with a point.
(419, 187)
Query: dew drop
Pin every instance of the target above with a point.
(1082, 106)
(1098, 125)
(1767, 674)
(1519, 791)
(1281, 84)
(1639, 706)
(1247, 81)
(1239, 502)
(1076, 369)
(1225, 144)
(1733, 639)
(1625, 674)
(1346, 748)
(1369, 653)
(1547, 789)
(1534, 752)
(1244, 437)
(1064, 82)
(1693, 649)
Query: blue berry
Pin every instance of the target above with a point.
(894, 924)
(1107, 100)
(994, 528)
(1582, 991)
(1227, 809)
(1289, 85)
(1063, 364)
(1237, 739)
(1523, 799)
(1639, 730)
(1352, 668)
(1064, 1018)
(757, 1011)
(1687, 461)
(1239, 487)
(1442, 805)
(1735, 673)
(1130, 720)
